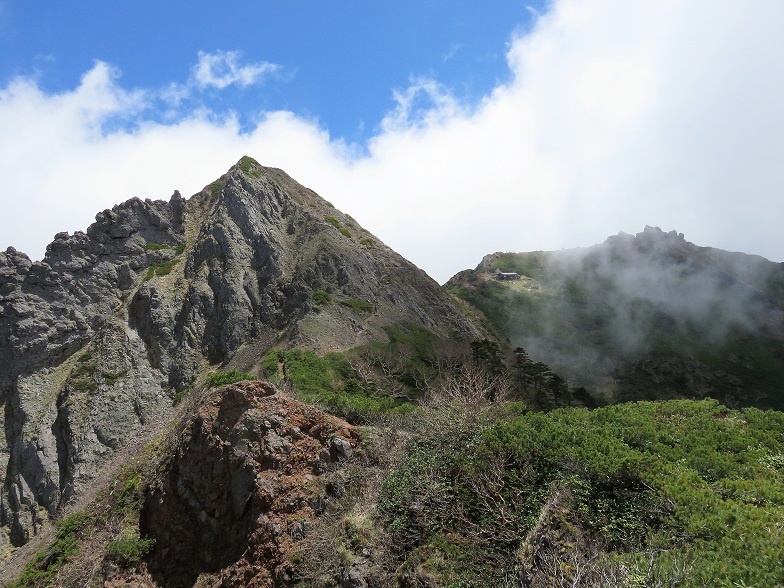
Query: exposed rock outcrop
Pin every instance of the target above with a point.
(243, 490)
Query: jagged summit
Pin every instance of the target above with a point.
(96, 338)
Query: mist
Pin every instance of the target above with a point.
(649, 295)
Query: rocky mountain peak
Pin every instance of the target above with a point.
(98, 337)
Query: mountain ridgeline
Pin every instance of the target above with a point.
(642, 317)
(246, 388)
(98, 338)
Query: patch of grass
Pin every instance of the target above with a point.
(180, 248)
(358, 306)
(129, 551)
(331, 382)
(178, 397)
(84, 369)
(111, 377)
(345, 232)
(250, 166)
(160, 269)
(321, 297)
(42, 570)
(367, 242)
(333, 221)
(156, 246)
(228, 377)
(328, 204)
(215, 188)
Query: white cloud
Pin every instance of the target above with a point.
(616, 116)
(222, 69)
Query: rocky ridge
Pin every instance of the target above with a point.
(98, 337)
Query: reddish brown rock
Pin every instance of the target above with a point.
(237, 497)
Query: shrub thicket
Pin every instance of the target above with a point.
(675, 493)
(332, 382)
(228, 377)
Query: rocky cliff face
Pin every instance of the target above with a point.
(96, 339)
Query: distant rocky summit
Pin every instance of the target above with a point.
(649, 316)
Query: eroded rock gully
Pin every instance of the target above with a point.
(243, 489)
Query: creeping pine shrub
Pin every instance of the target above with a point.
(178, 396)
(160, 269)
(674, 479)
(321, 297)
(250, 166)
(111, 377)
(358, 306)
(128, 551)
(215, 189)
(228, 377)
(155, 246)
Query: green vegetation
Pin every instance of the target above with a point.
(675, 493)
(336, 223)
(156, 246)
(321, 297)
(358, 306)
(83, 369)
(227, 377)
(43, 569)
(250, 166)
(180, 248)
(178, 396)
(332, 382)
(84, 385)
(524, 264)
(111, 377)
(82, 377)
(128, 551)
(367, 242)
(160, 269)
(215, 188)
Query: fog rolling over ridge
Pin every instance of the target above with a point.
(658, 280)
(685, 318)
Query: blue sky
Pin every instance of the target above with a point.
(335, 62)
(449, 129)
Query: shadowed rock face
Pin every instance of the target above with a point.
(96, 338)
(238, 495)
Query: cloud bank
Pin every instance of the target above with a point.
(614, 117)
